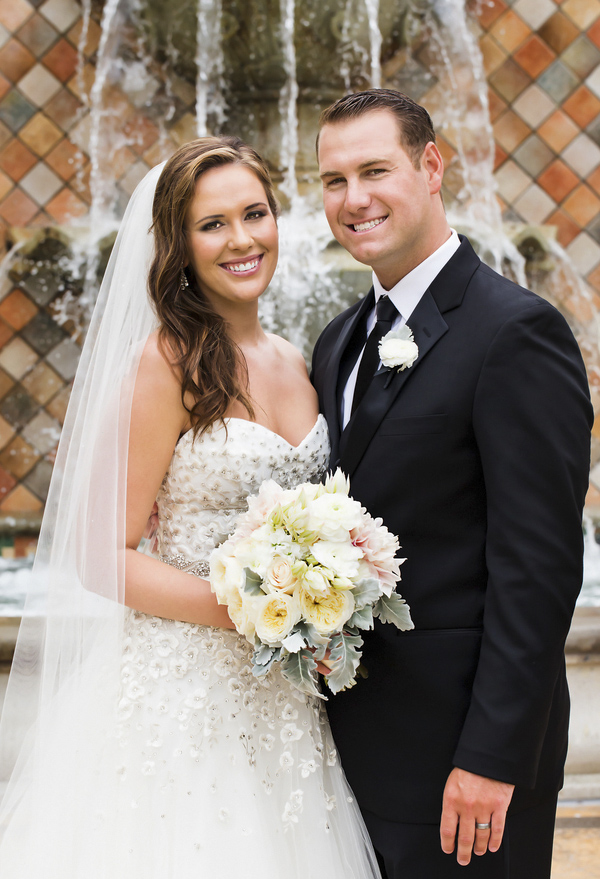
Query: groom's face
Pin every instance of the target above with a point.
(380, 207)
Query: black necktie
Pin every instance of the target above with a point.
(386, 314)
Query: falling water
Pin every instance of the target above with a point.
(461, 114)
(210, 65)
(288, 102)
(375, 42)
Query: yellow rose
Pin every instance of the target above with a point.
(328, 612)
(276, 616)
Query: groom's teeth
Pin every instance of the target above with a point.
(370, 224)
(243, 266)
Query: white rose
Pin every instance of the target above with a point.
(279, 576)
(333, 516)
(398, 349)
(315, 583)
(276, 617)
(327, 613)
(341, 558)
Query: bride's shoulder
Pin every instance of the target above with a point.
(157, 363)
(288, 351)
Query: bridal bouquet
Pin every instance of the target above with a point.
(305, 570)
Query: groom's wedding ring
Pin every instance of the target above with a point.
(479, 826)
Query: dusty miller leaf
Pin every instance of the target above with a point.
(253, 583)
(365, 592)
(345, 657)
(394, 610)
(298, 669)
(362, 618)
(294, 642)
(263, 658)
(310, 635)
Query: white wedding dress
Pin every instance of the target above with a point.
(217, 774)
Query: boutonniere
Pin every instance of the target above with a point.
(398, 349)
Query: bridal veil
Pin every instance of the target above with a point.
(63, 687)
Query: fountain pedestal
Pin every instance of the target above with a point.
(582, 779)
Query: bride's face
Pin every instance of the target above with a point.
(231, 235)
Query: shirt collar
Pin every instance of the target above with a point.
(407, 293)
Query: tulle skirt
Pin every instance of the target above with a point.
(202, 770)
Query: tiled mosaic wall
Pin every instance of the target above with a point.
(542, 62)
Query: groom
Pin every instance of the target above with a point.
(477, 456)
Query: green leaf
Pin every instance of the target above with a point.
(310, 635)
(366, 592)
(294, 642)
(263, 654)
(253, 582)
(345, 657)
(362, 618)
(268, 655)
(298, 669)
(394, 610)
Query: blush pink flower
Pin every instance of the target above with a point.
(378, 546)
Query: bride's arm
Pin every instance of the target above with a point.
(157, 420)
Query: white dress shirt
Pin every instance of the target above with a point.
(406, 295)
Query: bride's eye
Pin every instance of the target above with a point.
(256, 215)
(213, 224)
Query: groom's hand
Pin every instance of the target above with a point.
(471, 799)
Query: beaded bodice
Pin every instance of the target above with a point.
(210, 478)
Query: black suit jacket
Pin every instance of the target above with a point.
(477, 457)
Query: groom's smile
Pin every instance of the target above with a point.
(367, 225)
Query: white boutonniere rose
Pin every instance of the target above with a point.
(398, 349)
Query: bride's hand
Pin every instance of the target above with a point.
(323, 665)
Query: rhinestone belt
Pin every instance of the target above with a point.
(198, 569)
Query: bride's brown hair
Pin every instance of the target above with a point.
(212, 367)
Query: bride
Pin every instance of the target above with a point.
(149, 748)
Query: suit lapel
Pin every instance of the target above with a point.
(428, 327)
(330, 384)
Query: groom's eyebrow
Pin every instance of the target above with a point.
(361, 167)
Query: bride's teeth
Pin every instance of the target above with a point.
(370, 224)
(244, 266)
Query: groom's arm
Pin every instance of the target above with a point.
(532, 420)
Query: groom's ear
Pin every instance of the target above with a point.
(433, 166)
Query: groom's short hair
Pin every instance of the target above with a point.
(414, 122)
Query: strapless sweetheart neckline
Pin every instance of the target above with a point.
(273, 433)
